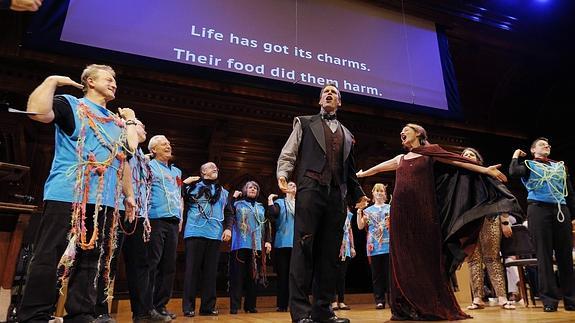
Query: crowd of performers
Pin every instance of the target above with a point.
(105, 195)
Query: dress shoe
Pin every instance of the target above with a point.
(233, 311)
(549, 308)
(570, 307)
(281, 309)
(152, 316)
(251, 310)
(334, 319)
(343, 307)
(164, 311)
(304, 320)
(104, 318)
(209, 313)
(189, 313)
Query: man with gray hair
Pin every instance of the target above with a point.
(89, 171)
(165, 214)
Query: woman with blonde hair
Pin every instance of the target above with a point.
(375, 219)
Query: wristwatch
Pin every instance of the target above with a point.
(130, 123)
(505, 222)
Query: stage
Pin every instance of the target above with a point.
(363, 313)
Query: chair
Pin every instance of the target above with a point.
(521, 246)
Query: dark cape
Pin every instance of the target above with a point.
(464, 198)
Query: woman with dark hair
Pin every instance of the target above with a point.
(486, 253)
(433, 218)
(250, 234)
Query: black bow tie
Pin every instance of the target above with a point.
(327, 116)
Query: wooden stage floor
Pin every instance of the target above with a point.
(362, 313)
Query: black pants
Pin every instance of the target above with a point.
(241, 277)
(319, 219)
(137, 270)
(340, 281)
(282, 257)
(550, 236)
(41, 291)
(162, 250)
(102, 297)
(202, 256)
(380, 276)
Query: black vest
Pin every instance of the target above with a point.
(324, 166)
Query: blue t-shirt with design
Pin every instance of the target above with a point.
(249, 225)
(377, 233)
(345, 242)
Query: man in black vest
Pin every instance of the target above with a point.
(322, 149)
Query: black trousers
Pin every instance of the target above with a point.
(241, 278)
(380, 276)
(340, 281)
(552, 236)
(137, 270)
(202, 256)
(282, 258)
(319, 219)
(41, 291)
(102, 297)
(162, 250)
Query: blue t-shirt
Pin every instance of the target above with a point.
(377, 233)
(284, 224)
(546, 182)
(101, 147)
(345, 242)
(248, 225)
(204, 219)
(165, 200)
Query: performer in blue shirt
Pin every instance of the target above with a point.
(376, 220)
(133, 240)
(346, 252)
(250, 234)
(550, 206)
(82, 193)
(209, 221)
(282, 212)
(165, 214)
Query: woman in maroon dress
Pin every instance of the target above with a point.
(420, 288)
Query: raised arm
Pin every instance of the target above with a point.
(492, 171)
(386, 166)
(41, 99)
(131, 134)
(517, 169)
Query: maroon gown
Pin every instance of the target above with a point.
(420, 289)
